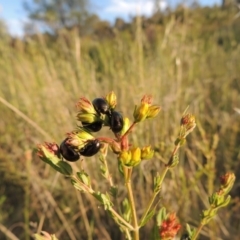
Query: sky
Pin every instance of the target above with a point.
(13, 13)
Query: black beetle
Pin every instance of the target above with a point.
(185, 236)
(100, 105)
(93, 127)
(68, 152)
(116, 121)
(91, 148)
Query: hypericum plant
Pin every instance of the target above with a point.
(81, 142)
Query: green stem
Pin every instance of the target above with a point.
(92, 192)
(148, 208)
(160, 184)
(128, 174)
(194, 237)
(121, 219)
(163, 175)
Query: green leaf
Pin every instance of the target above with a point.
(148, 217)
(157, 184)
(113, 191)
(104, 199)
(56, 163)
(127, 214)
(77, 185)
(84, 178)
(161, 215)
(65, 167)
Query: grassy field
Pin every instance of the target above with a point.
(191, 58)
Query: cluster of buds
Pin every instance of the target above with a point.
(220, 198)
(169, 227)
(93, 116)
(145, 110)
(100, 112)
(133, 156)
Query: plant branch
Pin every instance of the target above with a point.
(129, 130)
(194, 237)
(128, 174)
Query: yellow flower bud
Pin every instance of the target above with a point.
(125, 157)
(126, 125)
(153, 111)
(111, 99)
(85, 106)
(140, 112)
(147, 152)
(136, 156)
(87, 117)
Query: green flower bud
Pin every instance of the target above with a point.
(87, 117)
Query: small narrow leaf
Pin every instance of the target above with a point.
(148, 217)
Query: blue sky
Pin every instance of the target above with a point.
(13, 13)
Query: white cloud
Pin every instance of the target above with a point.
(124, 7)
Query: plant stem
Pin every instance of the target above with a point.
(194, 237)
(128, 174)
(129, 130)
(163, 175)
(121, 219)
(148, 208)
(92, 192)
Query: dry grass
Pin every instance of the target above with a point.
(42, 80)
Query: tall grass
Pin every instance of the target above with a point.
(181, 63)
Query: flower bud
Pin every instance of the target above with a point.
(125, 157)
(111, 99)
(169, 227)
(115, 147)
(153, 111)
(126, 125)
(85, 106)
(188, 122)
(48, 150)
(147, 153)
(78, 139)
(140, 112)
(227, 182)
(136, 156)
(145, 109)
(87, 117)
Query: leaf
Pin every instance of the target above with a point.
(127, 214)
(113, 191)
(65, 167)
(77, 185)
(161, 215)
(56, 163)
(148, 217)
(84, 178)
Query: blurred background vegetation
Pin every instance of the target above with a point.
(187, 56)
